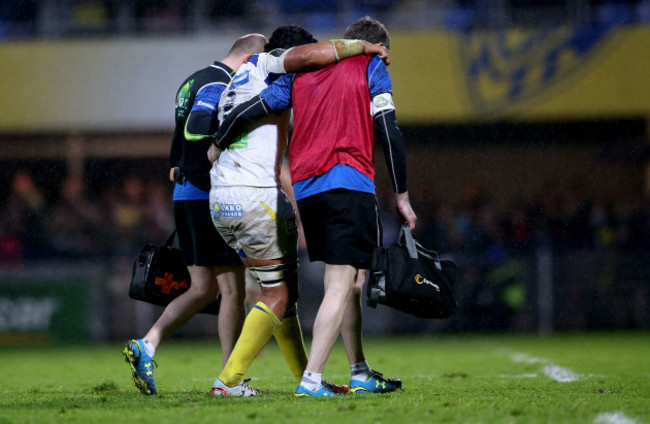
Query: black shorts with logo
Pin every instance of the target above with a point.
(342, 227)
(200, 242)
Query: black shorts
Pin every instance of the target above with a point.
(342, 227)
(200, 242)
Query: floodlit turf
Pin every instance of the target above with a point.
(595, 378)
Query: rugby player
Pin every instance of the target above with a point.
(338, 113)
(253, 213)
(214, 267)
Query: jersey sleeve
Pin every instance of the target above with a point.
(278, 95)
(379, 81)
(387, 133)
(380, 87)
(202, 121)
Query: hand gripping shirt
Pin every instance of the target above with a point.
(256, 158)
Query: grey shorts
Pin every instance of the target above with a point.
(260, 222)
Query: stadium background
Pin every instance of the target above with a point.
(527, 125)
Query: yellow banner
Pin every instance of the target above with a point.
(565, 73)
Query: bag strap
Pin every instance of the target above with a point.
(407, 235)
(170, 239)
(414, 247)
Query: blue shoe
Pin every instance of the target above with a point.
(320, 391)
(142, 366)
(242, 389)
(376, 384)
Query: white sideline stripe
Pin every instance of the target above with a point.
(517, 376)
(613, 418)
(562, 375)
(552, 371)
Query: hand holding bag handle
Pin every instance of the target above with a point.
(407, 235)
(410, 278)
(378, 293)
(414, 248)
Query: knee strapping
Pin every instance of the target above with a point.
(274, 275)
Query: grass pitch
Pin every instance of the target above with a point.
(594, 378)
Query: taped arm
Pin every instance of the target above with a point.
(309, 57)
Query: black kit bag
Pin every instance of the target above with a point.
(160, 275)
(410, 278)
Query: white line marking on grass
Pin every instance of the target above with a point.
(517, 376)
(552, 371)
(562, 375)
(613, 418)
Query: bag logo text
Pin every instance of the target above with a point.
(421, 280)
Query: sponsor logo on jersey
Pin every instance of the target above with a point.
(227, 210)
(422, 280)
(183, 100)
(205, 105)
(505, 68)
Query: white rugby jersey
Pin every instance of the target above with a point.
(256, 159)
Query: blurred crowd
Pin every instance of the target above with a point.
(559, 216)
(70, 18)
(76, 225)
(118, 219)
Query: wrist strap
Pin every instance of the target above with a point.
(346, 48)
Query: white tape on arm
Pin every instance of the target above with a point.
(275, 64)
(336, 52)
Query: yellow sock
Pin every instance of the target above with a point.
(259, 326)
(289, 338)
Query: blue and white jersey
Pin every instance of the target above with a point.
(255, 159)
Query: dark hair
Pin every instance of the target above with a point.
(288, 36)
(370, 30)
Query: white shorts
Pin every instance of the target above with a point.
(260, 222)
